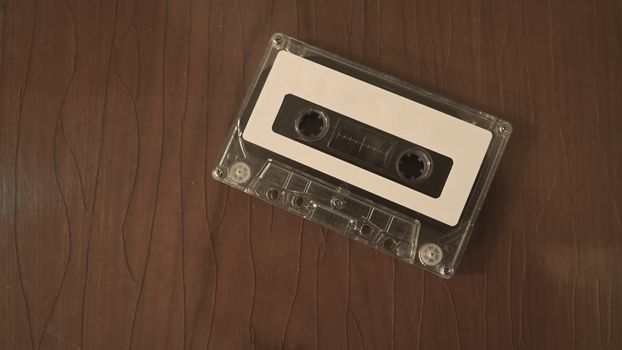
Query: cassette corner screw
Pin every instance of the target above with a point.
(446, 271)
(504, 129)
(218, 173)
(277, 40)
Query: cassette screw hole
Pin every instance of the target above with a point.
(389, 244)
(337, 203)
(277, 40)
(298, 201)
(504, 129)
(273, 194)
(365, 230)
(414, 165)
(218, 173)
(312, 124)
(446, 271)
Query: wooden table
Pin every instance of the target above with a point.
(113, 234)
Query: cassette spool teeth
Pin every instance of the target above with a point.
(413, 165)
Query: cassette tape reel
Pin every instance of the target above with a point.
(383, 162)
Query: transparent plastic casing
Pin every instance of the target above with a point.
(407, 236)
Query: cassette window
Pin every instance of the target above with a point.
(385, 155)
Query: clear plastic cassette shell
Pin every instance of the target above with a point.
(391, 229)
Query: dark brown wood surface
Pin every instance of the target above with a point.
(114, 236)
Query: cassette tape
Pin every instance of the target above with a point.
(380, 161)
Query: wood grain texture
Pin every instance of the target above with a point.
(114, 236)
